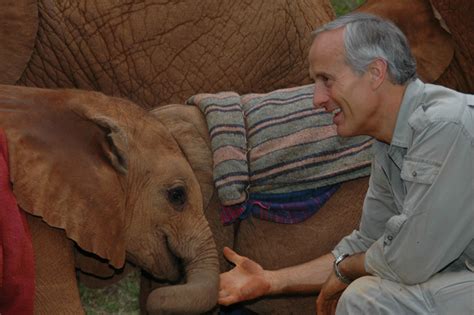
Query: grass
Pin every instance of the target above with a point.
(122, 298)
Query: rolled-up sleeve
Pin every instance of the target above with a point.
(436, 223)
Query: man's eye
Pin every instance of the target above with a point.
(327, 82)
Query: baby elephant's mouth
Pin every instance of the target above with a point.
(167, 264)
(161, 263)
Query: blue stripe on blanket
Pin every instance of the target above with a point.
(286, 208)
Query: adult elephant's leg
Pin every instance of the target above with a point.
(56, 290)
(276, 246)
(17, 37)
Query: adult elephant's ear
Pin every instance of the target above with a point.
(431, 44)
(456, 15)
(18, 29)
(68, 164)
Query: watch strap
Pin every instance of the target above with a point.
(338, 273)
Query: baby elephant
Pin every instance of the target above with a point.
(93, 171)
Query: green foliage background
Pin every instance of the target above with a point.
(344, 6)
(122, 298)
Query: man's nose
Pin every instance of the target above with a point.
(320, 96)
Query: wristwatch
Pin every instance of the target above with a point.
(338, 273)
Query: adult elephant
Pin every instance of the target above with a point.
(441, 34)
(157, 53)
(92, 171)
(154, 52)
(455, 18)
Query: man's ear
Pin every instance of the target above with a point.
(377, 71)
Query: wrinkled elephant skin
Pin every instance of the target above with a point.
(156, 52)
(456, 17)
(95, 169)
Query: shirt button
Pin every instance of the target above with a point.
(388, 240)
(414, 174)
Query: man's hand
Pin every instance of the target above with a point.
(247, 280)
(329, 295)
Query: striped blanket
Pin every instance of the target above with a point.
(277, 143)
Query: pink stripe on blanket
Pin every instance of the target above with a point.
(302, 164)
(227, 153)
(339, 171)
(222, 108)
(231, 179)
(297, 138)
(228, 129)
(248, 97)
(280, 102)
(280, 120)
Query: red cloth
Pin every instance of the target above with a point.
(17, 270)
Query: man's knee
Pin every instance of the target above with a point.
(356, 298)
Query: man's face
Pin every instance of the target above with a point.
(337, 88)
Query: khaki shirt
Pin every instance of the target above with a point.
(418, 215)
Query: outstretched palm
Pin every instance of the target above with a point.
(247, 280)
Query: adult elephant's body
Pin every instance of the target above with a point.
(457, 19)
(156, 52)
(273, 245)
(93, 171)
(441, 35)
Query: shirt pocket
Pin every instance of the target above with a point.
(419, 171)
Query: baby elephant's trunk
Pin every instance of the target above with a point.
(199, 294)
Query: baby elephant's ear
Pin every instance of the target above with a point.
(116, 146)
(431, 45)
(18, 29)
(68, 160)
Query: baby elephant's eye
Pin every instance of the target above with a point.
(177, 195)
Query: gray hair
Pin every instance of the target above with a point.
(368, 37)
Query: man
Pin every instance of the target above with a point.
(414, 250)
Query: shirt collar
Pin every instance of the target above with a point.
(411, 100)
